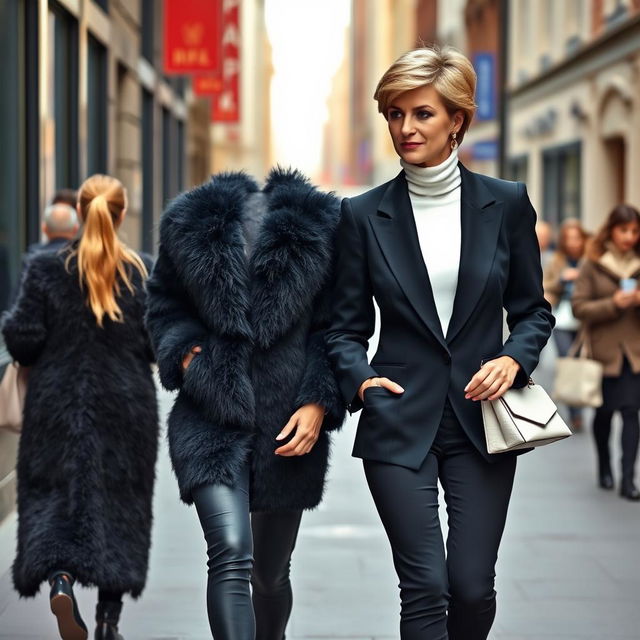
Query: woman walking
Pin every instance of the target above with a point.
(558, 282)
(606, 298)
(442, 250)
(89, 440)
(237, 313)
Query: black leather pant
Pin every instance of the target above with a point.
(244, 549)
(477, 496)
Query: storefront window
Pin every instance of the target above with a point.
(61, 124)
(147, 171)
(167, 156)
(180, 153)
(97, 119)
(148, 29)
(11, 233)
(517, 168)
(561, 170)
(172, 156)
(104, 4)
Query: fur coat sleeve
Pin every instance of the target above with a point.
(25, 325)
(318, 384)
(172, 323)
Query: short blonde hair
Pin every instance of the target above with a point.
(446, 69)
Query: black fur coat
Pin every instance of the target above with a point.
(90, 433)
(260, 323)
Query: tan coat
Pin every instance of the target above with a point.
(612, 332)
(552, 278)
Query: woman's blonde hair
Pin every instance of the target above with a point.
(446, 69)
(101, 256)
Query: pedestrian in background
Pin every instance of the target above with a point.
(59, 225)
(65, 196)
(544, 233)
(559, 277)
(443, 251)
(89, 440)
(60, 222)
(606, 298)
(238, 305)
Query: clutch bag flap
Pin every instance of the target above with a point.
(530, 403)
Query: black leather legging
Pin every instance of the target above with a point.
(244, 549)
(442, 597)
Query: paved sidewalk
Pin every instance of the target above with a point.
(569, 566)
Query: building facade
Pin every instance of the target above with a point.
(574, 105)
(247, 145)
(84, 92)
(358, 149)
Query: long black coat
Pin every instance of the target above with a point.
(89, 440)
(260, 323)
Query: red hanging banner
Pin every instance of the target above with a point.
(192, 36)
(207, 85)
(225, 105)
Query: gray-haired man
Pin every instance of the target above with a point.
(60, 225)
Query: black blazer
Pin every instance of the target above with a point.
(379, 257)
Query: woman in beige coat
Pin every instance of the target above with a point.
(559, 278)
(607, 299)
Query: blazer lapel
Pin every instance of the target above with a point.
(481, 218)
(397, 236)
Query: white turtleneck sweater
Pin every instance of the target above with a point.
(435, 198)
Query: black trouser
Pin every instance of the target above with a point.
(245, 549)
(630, 438)
(477, 496)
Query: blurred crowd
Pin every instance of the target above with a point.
(591, 281)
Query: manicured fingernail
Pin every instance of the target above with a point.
(401, 389)
(467, 396)
(280, 436)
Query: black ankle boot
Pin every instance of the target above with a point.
(629, 490)
(65, 608)
(107, 617)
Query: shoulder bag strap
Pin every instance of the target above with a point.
(581, 346)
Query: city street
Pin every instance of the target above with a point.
(569, 566)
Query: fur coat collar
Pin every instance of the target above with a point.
(258, 298)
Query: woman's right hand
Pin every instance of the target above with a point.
(624, 299)
(186, 361)
(394, 387)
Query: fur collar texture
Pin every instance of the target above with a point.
(262, 297)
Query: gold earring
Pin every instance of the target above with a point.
(454, 142)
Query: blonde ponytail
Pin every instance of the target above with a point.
(101, 256)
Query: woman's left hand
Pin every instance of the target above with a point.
(494, 378)
(306, 421)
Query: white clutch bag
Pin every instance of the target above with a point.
(522, 418)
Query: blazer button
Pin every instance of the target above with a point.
(447, 358)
